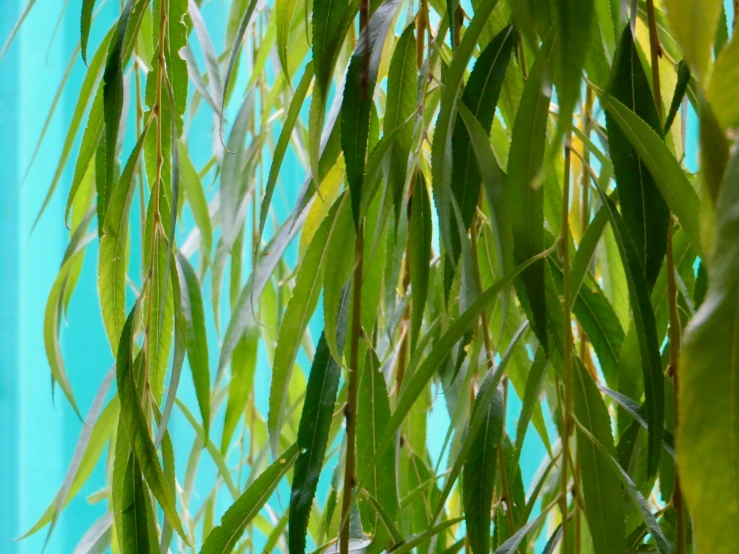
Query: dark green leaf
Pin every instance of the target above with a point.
(420, 254)
(647, 334)
(644, 210)
(137, 429)
(707, 433)
(525, 194)
(683, 78)
(85, 20)
(223, 539)
(113, 103)
(313, 432)
(402, 87)
(358, 98)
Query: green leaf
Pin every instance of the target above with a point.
(644, 210)
(235, 55)
(85, 21)
(413, 387)
(211, 59)
(113, 104)
(441, 148)
(373, 413)
(708, 432)
(531, 396)
(223, 539)
(681, 87)
(510, 546)
(297, 315)
(197, 343)
(669, 177)
(198, 203)
(633, 492)
(525, 194)
(402, 88)
(694, 27)
(481, 98)
(331, 21)
(113, 254)
(601, 491)
(90, 444)
(358, 98)
(313, 432)
(278, 155)
(134, 530)
(419, 249)
(137, 429)
(409, 544)
(575, 19)
(53, 315)
(647, 334)
(284, 15)
(722, 86)
(479, 469)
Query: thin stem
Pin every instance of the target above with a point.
(351, 399)
(567, 354)
(655, 51)
(677, 495)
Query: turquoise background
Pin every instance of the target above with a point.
(37, 433)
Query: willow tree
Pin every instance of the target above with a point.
(496, 202)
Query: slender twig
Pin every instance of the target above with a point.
(351, 406)
(567, 354)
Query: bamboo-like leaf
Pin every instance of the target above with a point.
(525, 195)
(479, 472)
(87, 452)
(402, 87)
(197, 344)
(420, 254)
(441, 149)
(297, 314)
(135, 529)
(647, 334)
(669, 177)
(411, 543)
(644, 210)
(707, 434)
(97, 539)
(17, 27)
(441, 349)
(694, 28)
(296, 104)
(531, 396)
(358, 98)
(211, 59)
(223, 539)
(284, 14)
(113, 256)
(313, 432)
(136, 427)
(722, 86)
(574, 22)
(681, 87)
(373, 414)
(481, 98)
(113, 104)
(633, 491)
(601, 492)
(235, 54)
(85, 21)
(511, 545)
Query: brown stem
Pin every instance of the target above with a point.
(655, 52)
(677, 496)
(567, 354)
(351, 399)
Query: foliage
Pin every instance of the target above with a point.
(459, 237)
